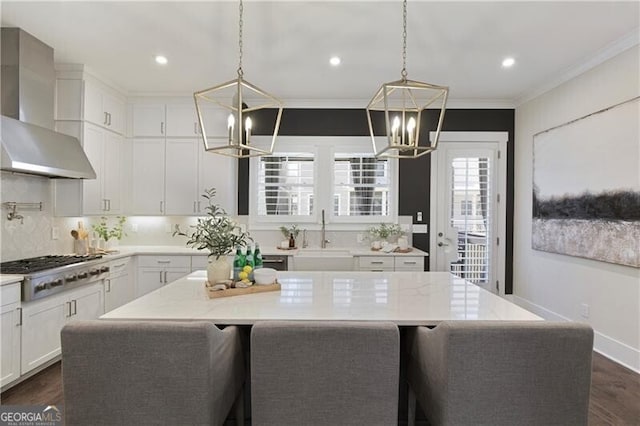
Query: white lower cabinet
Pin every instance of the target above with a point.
(157, 271)
(10, 313)
(118, 286)
(390, 263)
(43, 319)
(375, 263)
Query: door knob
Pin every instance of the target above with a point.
(440, 244)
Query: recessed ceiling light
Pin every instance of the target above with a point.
(508, 62)
(162, 60)
(335, 61)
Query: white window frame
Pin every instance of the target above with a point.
(324, 149)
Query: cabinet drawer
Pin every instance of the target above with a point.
(164, 262)
(375, 263)
(119, 267)
(10, 293)
(409, 263)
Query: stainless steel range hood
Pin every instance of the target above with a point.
(29, 145)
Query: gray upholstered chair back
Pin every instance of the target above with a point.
(150, 373)
(502, 373)
(324, 373)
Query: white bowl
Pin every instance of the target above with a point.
(264, 276)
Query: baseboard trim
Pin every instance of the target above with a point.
(613, 349)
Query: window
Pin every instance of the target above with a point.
(308, 175)
(285, 185)
(364, 183)
(466, 208)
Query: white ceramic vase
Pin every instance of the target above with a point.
(218, 269)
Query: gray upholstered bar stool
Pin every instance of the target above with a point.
(324, 373)
(150, 373)
(501, 373)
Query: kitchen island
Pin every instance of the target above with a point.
(404, 298)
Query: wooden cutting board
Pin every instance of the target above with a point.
(214, 294)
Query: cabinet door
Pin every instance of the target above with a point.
(148, 120)
(219, 172)
(181, 176)
(409, 263)
(92, 199)
(215, 121)
(149, 279)
(93, 111)
(87, 303)
(148, 177)
(9, 343)
(118, 291)
(113, 172)
(41, 324)
(182, 121)
(114, 108)
(175, 274)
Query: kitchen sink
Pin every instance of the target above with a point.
(328, 259)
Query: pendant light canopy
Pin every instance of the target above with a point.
(402, 103)
(234, 96)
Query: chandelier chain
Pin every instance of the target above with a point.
(240, 22)
(404, 41)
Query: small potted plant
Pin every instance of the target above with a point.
(293, 231)
(381, 234)
(217, 233)
(110, 234)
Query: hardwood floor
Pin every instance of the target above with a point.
(615, 392)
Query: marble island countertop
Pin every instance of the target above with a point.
(405, 298)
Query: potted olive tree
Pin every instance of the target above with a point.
(217, 233)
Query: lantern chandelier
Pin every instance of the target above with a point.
(233, 97)
(403, 102)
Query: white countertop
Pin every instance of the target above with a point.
(6, 279)
(405, 298)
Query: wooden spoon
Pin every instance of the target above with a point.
(74, 234)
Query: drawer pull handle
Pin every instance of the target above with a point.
(377, 263)
(164, 261)
(409, 263)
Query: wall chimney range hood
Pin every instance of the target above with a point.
(29, 145)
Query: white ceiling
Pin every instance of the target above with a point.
(287, 44)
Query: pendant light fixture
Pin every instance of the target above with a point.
(402, 103)
(234, 97)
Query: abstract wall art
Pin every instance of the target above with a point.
(586, 186)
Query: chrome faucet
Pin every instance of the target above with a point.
(323, 237)
(305, 243)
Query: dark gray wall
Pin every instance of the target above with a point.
(415, 175)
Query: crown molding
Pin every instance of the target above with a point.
(609, 51)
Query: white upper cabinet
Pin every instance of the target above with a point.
(148, 177)
(182, 120)
(103, 107)
(148, 120)
(181, 176)
(219, 172)
(178, 120)
(103, 195)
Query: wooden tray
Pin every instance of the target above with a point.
(399, 250)
(214, 294)
(288, 248)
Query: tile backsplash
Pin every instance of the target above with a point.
(33, 235)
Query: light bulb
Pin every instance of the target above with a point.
(247, 123)
(396, 123)
(394, 129)
(231, 121)
(411, 125)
